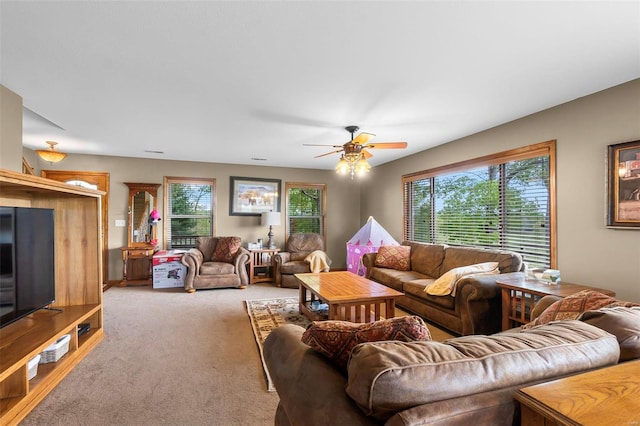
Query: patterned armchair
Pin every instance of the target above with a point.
(292, 260)
(216, 262)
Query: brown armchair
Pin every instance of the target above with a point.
(216, 262)
(292, 260)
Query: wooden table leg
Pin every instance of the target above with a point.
(506, 307)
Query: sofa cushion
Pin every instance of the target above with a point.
(336, 339)
(216, 268)
(463, 256)
(415, 288)
(226, 249)
(426, 258)
(571, 307)
(387, 377)
(394, 257)
(622, 322)
(394, 278)
(445, 285)
(295, 267)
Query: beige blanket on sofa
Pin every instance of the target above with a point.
(318, 261)
(446, 284)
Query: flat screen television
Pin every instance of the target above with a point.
(27, 268)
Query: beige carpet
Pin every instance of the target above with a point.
(168, 358)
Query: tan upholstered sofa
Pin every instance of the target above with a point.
(461, 381)
(216, 262)
(476, 306)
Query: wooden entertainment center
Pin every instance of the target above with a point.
(78, 282)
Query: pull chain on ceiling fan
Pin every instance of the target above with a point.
(353, 160)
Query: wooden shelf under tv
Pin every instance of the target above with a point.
(78, 281)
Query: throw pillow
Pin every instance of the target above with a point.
(394, 257)
(226, 249)
(446, 284)
(622, 322)
(336, 339)
(572, 306)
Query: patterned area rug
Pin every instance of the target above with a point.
(267, 314)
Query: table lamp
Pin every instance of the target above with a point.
(270, 219)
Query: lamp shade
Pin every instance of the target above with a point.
(270, 218)
(51, 155)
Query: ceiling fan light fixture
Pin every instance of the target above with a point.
(51, 155)
(362, 167)
(343, 166)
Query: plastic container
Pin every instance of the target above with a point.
(33, 366)
(56, 350)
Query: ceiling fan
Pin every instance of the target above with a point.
(353, 160)
(360, 144)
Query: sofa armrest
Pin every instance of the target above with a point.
(480, 304)
(279, 259)
(311, 389)
(241, 259)
(193, 260)
(369, 261)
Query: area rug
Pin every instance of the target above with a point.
(267, 314)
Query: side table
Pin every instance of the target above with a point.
(260, 265)
(520, 294)
(607, 396)
(137, 265)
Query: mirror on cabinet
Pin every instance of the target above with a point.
(142, 201)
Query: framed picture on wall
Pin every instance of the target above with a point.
(624, 185)
(252, 196)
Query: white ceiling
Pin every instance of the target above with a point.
(228, 82)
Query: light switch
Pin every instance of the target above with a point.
(121, 223)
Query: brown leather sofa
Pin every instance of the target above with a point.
(476, 307)
(204, 271)
(461, 381)
(291, 260)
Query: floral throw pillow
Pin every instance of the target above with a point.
(336, 339)
(394, 257)
(226, 249)
(571, 307)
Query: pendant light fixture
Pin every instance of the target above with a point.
(51, 155)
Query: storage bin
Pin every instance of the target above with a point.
(33, 366)
(56, 350)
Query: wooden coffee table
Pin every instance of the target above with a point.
(349, 297)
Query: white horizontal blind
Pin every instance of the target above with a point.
(493, 204)
(190, 207)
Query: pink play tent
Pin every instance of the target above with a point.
(367, 240)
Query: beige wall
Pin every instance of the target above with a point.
(10, 130)
(342, 218)
(588, 252)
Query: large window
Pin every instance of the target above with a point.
(189, 209)
(305, 208)
(503, 201)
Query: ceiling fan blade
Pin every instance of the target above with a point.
(387, 145)
(315, 144)
(362, 138)
(328, 153)
(366, 154)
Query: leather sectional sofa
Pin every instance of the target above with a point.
(476, 306)
(461, 381)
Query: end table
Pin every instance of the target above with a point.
(520, 294)
(260, 265)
